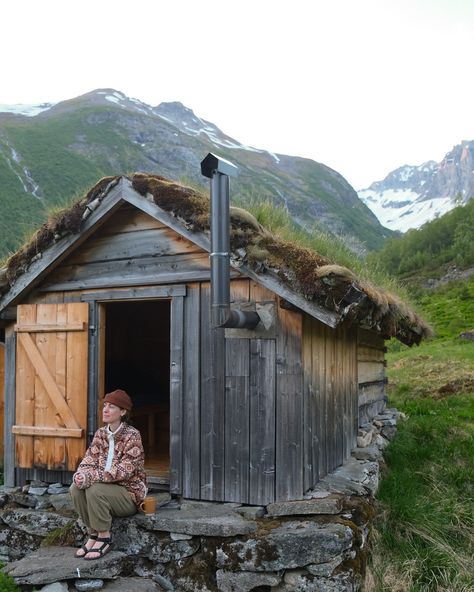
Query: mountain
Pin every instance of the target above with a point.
(51, 153)
(412, 195)
(441, 250)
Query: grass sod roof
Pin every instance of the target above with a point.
(301, 269)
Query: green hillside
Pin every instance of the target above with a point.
(48, 160)
(424, 537)
(428, 252)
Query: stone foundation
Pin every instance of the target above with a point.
(317, 544)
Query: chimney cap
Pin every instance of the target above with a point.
(212, 164)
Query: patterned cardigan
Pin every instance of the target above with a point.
(127, 465)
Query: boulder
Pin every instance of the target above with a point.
(23, 499)
(62, 502)
(56, 587)
(33, 521)
(294, 544)
(130, 538)
(244, 581)
(15, 544)
(371, 452)
(302, 581)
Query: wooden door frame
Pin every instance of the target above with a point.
(175, 294)
(10, 386)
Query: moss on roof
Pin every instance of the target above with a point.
(317, 279)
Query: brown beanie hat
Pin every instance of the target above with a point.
(119, 398)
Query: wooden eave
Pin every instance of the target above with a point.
(117, 196)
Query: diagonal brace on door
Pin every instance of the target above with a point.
(48, 381)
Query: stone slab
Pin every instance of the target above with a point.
(203, 520)
(327, 505)
(88, 585)
(355, 477)
(44, 565)
(372, 453)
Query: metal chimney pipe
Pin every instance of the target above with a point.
(218, 171)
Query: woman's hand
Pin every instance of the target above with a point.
(79, 480)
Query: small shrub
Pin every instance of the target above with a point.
(7, 583)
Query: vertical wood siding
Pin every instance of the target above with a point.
(2, 399)
(212, 404)
(330, 397)
(176, 395)
(262, 421)
(289, 407)
(191, 393)
(10, 404)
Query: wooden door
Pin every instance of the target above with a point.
(51, 385)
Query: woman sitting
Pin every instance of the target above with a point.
(110, 480)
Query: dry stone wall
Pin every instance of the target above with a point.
(316, 544)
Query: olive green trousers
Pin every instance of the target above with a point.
(100, 502)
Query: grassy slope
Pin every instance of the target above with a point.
(48, 148)
(425, 535)
(69, 151)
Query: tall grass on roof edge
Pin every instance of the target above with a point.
(277, 220)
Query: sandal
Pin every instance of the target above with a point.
(105, 546)
(84, 548)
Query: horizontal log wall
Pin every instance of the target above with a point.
(371, 375)
(330, 397)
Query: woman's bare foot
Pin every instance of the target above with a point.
(87, 546)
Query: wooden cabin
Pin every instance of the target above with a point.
(114, 293)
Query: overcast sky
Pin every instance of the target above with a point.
(363, 86)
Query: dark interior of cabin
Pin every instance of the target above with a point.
(137, 359)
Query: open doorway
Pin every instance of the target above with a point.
(137, 359)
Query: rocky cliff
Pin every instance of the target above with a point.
(412, 195)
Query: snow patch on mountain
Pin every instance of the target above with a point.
(400, 210)
(28, 110)
(190, 124)
(410, 196)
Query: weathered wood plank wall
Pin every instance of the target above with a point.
(330, 397)
(131, 249)
(289, 406)
(2, 399)
(191, 391)
(254, 416)
(371, 371)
